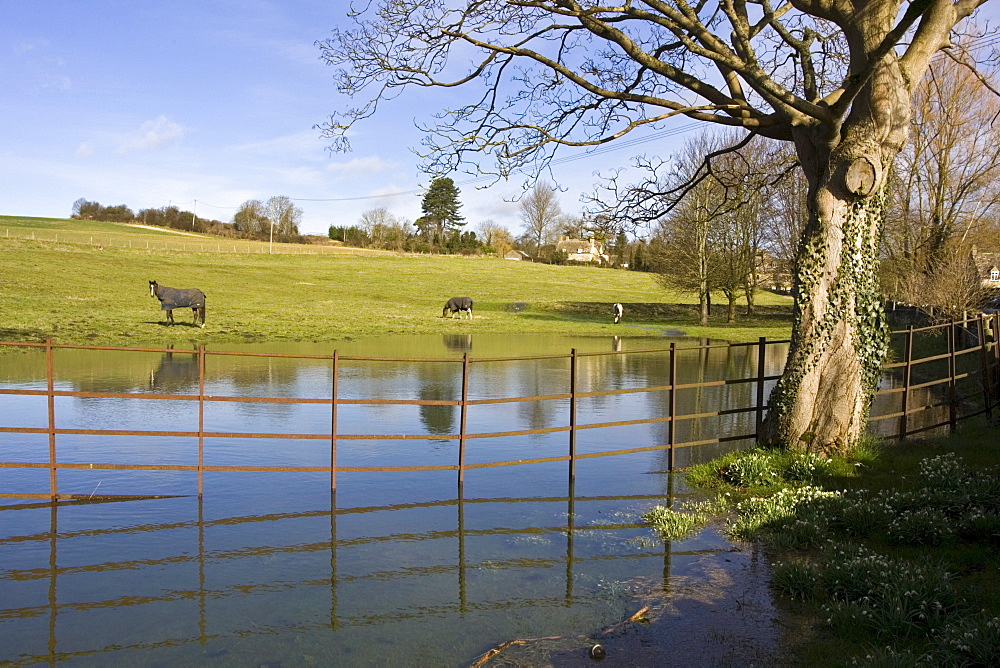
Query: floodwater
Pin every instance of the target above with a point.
(396, 567)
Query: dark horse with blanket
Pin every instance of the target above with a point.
(171, 298)
(457, 305)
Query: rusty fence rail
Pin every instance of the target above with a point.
(963, 381)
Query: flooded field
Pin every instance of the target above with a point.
(400, 567)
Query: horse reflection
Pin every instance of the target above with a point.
(461, 343)
(175, 371)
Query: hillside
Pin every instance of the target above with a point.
(63, 285)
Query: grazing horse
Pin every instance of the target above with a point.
(457, 305)
(617, 311)
(171, 298)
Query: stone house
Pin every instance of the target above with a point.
(987, 267)
(583, 250)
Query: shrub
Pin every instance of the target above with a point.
(797, 578)
(754, 469)
(806, 467)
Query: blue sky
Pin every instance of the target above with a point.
(214, 101)
(205, 104)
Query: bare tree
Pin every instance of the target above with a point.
(384, 230)
(252, 219)
(737, 240)
(680, 249)
(541, 213)
(951, 291)
(748, 178)
(682, 252)
(788, 212)
(712, 239)
(496, 237)
(834, 78)
(284, 217)
(949, 177)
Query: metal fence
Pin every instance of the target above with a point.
(941, 375)
(203, 555)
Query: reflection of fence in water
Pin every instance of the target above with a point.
(190, 583)
(690, 410)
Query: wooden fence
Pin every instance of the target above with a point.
(951, 368)
(192, 244)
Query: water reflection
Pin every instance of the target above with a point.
(460, 343)
(401, 568)
(605, 423)
(176, 372)
(181, 581)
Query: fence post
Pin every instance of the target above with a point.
(201, 419)
(761, 360)
(333, 422)
(995, 328)
(906, 381)
(984, 363)
(673, 406)
(50, 384)
(572, 414)
(952, 383)
(461, 434)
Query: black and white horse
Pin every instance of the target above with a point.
(171, 298)
(617, 312)
(457, 305)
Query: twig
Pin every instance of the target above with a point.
(502, 646)
(637, 617)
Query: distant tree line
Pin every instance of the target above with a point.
(167, 216)
(251, 221)
(277, 219)
(441, 229)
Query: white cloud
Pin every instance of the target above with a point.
(24, 47)
(359, 166)
(58, 84)
(151, 135)
(85, 150)
(297, 144)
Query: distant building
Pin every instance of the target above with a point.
(987, 266)
(772, 273)
(516, 255)
(583, 250)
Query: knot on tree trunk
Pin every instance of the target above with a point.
(862, 176)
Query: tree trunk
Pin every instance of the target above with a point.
(838, 339)
(751, 306)
(704, 306)
(839, 335)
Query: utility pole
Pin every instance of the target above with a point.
(194, 214)
(273, 214)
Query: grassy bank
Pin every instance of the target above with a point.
(77, 292)
(888, 557)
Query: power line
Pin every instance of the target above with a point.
(613, 146)
(617, 145)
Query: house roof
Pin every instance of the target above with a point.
(579, 246)
(985, 262)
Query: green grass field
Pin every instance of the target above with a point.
(80, 282)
